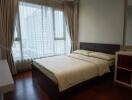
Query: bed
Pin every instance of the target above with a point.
(61, 73)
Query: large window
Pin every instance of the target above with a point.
(40, 32)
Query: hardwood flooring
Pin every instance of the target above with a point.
(102, 90)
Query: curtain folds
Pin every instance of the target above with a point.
(8, 9)
(23, 65)
(71, 17)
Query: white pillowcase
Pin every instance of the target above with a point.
(104, 56)
(83, 52)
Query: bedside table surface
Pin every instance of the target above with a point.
(129, 53)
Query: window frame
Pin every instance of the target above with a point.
(18, 30)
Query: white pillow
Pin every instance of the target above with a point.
(83, 52)
(104, 56)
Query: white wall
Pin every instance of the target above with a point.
(101, 21)
(0, 54)
(129, 27)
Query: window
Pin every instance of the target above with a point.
(40, 32)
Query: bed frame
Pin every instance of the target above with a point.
(52, 89)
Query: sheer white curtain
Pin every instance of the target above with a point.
(40, 32)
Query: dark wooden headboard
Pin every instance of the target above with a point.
(98, 47)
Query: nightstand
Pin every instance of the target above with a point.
(123, 68)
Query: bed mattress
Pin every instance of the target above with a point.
(69, 70)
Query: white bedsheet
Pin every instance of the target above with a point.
(70, 70)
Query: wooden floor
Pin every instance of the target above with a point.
(102, 90)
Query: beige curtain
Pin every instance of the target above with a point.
(8, 9)
(71, 17)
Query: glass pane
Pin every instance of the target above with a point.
(48, 33)
(16, 50)
(59, 24)
(31, 30)
(59, 47)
